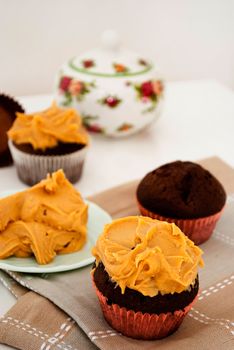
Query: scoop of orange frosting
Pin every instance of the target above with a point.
(148, 255)
(48, 219)
(47, 128)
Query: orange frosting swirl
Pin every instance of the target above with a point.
(47, 128)
(148, 255)
(49, 218)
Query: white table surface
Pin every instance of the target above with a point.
(197, 122)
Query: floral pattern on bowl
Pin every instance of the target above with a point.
(110, 101)
(90, 123)
(120, 68)
(74, 89)
(88, 63)
(149, 92)
(125, 127)
(143, 62)
(117, 91)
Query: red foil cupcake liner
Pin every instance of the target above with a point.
(198, 230)
(140, 325)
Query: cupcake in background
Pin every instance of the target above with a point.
(8, 109)
(145, 276)
(46, 141)
(184, 193)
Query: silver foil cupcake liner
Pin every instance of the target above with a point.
(33, 168)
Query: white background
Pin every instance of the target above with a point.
(189, 39)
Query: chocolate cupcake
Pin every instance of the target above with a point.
(145, 276)
(184, 193)
(8, 109)
(46, 141)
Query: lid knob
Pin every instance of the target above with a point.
(110, 40)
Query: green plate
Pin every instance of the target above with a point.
(97, 218)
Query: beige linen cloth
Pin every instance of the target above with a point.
(61, 311)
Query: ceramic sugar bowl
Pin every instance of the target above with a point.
(117, 91)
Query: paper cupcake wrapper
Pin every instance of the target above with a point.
(33, 168)
(140, 325)
(198, 230)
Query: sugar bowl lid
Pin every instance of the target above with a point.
(110, 60)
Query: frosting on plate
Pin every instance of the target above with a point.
(49, 218)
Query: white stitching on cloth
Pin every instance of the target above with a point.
(215, 288)
(4, 282)
(224, 238)
(8, 278)
(221, 236)
(208, 320)
(102, 334)
(26, 325)
(58, 336)
(23, 283)
(230, 198)
(221, 321)
(22, 325)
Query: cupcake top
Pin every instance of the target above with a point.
(148, 255)
(46, 129)
(182, 190)
(48, 218)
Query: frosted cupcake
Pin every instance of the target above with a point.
(145, 276)
(46, 141)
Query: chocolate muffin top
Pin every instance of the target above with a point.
(8, 109)
(182, 190)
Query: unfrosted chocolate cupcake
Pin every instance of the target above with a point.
(8, 109)
(184, 193)
(145, 276)
(46, 141)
